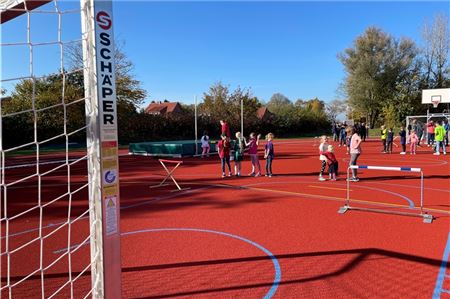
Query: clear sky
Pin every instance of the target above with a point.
(181, 48)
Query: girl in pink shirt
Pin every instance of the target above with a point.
(355, 151)
(413, 140)
(252, 145)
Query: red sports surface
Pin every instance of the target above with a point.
(250, 237)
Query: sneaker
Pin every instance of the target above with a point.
(266, 174)
(402, 153)
(230, 174)
(258, 174)
(251, 174)
(223, 174)
(270, 175)
(436, 154)
(353, 179)
(321, 178)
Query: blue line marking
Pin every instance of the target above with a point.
(405, 168)
(441, 276)
(276, 265)
(362, 166)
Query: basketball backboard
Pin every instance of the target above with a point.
(436, 96)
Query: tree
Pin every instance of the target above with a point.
(435, 52)
(219, 103)
(379, 69)
(128, 89)
(334, 108)
(279, 104)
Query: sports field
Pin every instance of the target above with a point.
(247, 237)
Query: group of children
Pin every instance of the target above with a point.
(228, 151)
(437, 137)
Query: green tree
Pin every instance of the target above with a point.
(379, 69)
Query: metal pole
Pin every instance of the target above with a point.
(421, 192)
(195, 115)
(348, 186)
(242, 117)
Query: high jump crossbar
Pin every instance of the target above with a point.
(427, 218)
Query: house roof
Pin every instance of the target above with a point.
(262, 111)
(165, 107)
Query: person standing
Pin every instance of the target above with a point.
(342, 135)
(413, 140)
(225, 129)
(439, 132)
(402, 134)
(252, 145)
(239, 147)
(430, 131)
(447, 129)
(205, 144)
(355, 152)
(323, 147)
(363, 131)
(269, 154)
(390, 140)
(383, 138)
(224, 153)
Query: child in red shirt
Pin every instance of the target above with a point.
(224, 153)
(332, 162)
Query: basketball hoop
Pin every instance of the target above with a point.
(435, 100)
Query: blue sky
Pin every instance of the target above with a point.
(181, 48)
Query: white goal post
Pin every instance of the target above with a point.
(90, 202)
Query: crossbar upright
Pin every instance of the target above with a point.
(427, 218)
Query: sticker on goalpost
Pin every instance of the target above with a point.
(111, 215)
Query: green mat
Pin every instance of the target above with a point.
(179, 148)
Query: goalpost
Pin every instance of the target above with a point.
(433, 97)
(59, 211)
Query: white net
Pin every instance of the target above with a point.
(46, 217)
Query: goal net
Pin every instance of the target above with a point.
(59, 185)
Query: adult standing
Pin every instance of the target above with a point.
(363, 131)
(225, 129)
(447, 129)
(418, 128)
(355, 152)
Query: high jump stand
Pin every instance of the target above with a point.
(169, 174)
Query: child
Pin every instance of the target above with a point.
(323, 159)
(348, 135)
(205, 144)
(252, 145)
(390, 140)
(383, 138)
(269, 154)
(342, 136)
(402, 134)
(238, 148)
(413, 140)
(430, 130)
(224, 153)
(332, 162)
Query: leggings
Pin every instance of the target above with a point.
(322, 169)
(224, 161)
(413, 147)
